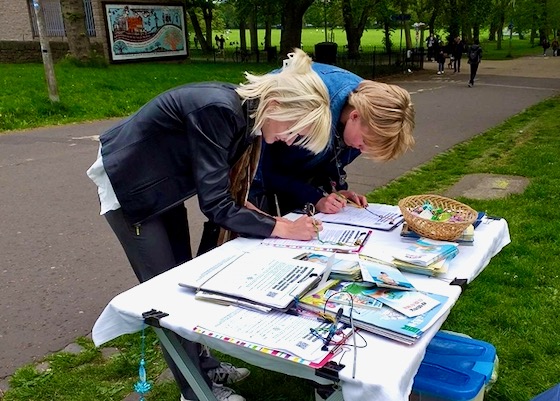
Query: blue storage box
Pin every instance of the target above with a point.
(455, 368)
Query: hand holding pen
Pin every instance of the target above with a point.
(335, 201)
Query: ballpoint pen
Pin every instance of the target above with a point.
(332, 330)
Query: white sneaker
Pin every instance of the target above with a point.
(222, 394)
(226, 373)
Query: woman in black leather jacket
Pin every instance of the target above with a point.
(204, 139)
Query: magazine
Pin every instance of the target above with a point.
(384, 275)
(409, 303)
(341, 269)
(384, 321)
(425, 252)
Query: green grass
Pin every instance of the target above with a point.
(514, 303)
(88, 94)
(97, 93)
(374, 38)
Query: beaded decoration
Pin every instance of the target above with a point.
(142, 386)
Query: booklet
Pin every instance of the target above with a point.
(262, 277)
(333, 238)
(376, 216)
(409, 303)
(342, 269)
(384, 321)
(425, 252)
(383, 275)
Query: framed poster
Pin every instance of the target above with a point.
(145, 31)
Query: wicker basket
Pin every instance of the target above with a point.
(441, 230)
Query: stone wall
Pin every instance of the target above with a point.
(30, 52)
(17, 44)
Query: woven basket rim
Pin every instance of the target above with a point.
(445, 230)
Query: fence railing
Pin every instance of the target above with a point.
(54, 23)
(369, 63)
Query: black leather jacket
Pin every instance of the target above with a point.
(183, 142)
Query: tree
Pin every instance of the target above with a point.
(74, 17)
(292, 23)
(356, 14)
(205, 7)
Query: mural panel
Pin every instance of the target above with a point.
(144, 31)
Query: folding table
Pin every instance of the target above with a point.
(384, 369)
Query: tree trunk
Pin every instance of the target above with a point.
(242, 34)
(198, 31)
(74, 17)
(292, 24)
(253, 32)
(207, 15)
(387, 35)
(355, 19)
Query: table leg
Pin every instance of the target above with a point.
(170, 342)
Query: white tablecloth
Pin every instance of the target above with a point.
(384, 369)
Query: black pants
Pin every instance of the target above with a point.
(457, 64)
(474, 68)
(158, 245)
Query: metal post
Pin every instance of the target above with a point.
(46, 53)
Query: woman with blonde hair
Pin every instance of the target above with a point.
(369, 117)
(204, 139)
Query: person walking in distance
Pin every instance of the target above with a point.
(475, 55)
(458, 51)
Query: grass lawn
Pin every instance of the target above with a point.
(514, 303)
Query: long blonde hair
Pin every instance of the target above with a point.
(296, 93)
(389, 114)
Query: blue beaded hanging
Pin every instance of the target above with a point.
(142, 386)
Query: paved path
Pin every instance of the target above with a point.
(61, 263)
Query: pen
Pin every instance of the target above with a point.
(332, 330)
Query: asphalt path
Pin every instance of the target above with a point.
(61, 264)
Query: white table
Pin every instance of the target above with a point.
(384, 369)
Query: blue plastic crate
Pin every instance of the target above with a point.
(455, 368)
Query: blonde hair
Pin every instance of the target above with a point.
(296, 93)
(388, 112)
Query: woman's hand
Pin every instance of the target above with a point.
(334, 202)
(304, 228)
(353, 197)
(330, 203)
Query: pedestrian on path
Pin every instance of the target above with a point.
(545, 45)
(458, 50)
(475, 56)
(204, 139)
(440, 58)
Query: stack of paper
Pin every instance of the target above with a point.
(425, 256)
(383, 320)
(341, 269)
(296, 338)
(384, 275)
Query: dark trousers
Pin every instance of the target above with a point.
(157, 245)
(457, 64)
(474, 68)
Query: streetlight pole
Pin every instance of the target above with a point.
(46, 53)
